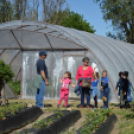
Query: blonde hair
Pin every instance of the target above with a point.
(104, 71)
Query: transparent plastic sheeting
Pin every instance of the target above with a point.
(57, 63)
(111, 55)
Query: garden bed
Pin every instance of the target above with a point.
(16, 117)
(11, 110)
(99, 122)
(54, 124)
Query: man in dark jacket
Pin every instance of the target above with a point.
(41, 70)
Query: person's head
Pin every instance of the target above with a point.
(43, 54)
(67, 74)
(126, 73)
(104, 73)
(96, 76)
(121, 74)
(85, 61)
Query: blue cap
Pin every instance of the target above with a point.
(42, 52)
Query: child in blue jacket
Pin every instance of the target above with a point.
(104, 89)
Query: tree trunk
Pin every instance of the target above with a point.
(3, 98)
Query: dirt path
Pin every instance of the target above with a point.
(77, 124)
(116, 126)
(46, 114)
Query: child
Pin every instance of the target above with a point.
(94, 87)
(124, 83)
(64, 91)
(129, 97)
(118, 83)
(104, 89)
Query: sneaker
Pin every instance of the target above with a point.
(81, 106)
(104, 107)
(94, 108)
(43, 108)
(88, 107)
(58, 106)
(65, 106)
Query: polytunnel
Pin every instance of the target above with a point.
(20, 42)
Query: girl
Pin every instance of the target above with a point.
(104, 89)
(94, 87)
(64, 91)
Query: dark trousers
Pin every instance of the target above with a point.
(105, 103)
(123, 98)
(86, 91)
(95, 101)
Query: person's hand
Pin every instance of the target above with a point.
(60, 77)
(95, 67)
(124, 93)
(47, 83)
(115, 89)
(102, 89)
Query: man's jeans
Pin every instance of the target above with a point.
(40, 95)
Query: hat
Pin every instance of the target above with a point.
(42, 52)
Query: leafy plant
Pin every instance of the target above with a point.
(10, 110)
(59, 115)
(15, 86)
(6, 74)
(41, 123)
(93, 120)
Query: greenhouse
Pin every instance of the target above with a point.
(20, 42)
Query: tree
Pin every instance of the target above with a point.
(6, 11)
(121, 13)
(52, 10)
(75, 20)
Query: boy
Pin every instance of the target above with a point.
(123, 90)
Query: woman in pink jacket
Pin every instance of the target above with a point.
(84, 71)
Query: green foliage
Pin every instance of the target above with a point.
(71, 20)
(6, 74)
(15, 86)
(6, 10)
(45, 123)
(93, 120)
(12, 108)
(121, 14)
(75, 20)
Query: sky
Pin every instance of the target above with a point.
(92, 13)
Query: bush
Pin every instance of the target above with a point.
(6, 73)
(15, 86)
